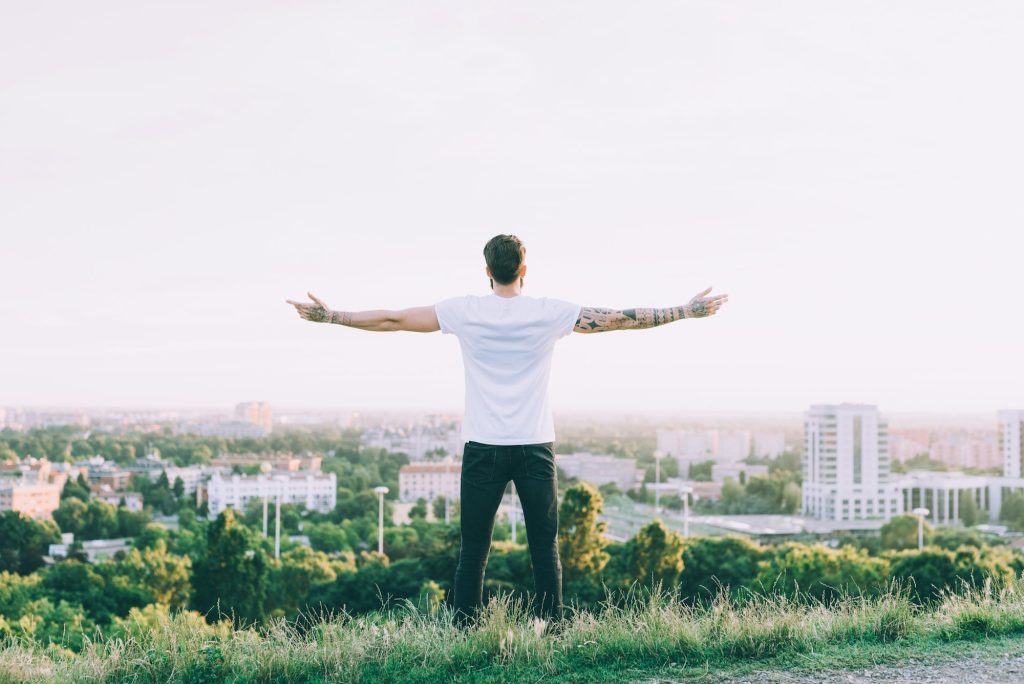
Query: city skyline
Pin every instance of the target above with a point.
(854, 191)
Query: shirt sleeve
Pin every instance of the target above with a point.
(565, 314)
(449, 315)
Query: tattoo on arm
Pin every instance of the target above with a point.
(593, 319)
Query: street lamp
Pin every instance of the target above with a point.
(657, 480)
(381, 491)
(684, 491)
(921, 513)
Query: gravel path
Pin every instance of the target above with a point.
(987, 669)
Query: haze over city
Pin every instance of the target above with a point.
(860, 206)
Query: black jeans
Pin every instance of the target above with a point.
(486, 470)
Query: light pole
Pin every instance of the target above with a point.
(381, 491)
(277, 530)
(657, 481)
(921, 514)
(684, 491)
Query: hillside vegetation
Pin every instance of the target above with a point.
(651, 629)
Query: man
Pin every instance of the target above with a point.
(507, 340)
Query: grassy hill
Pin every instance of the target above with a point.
(649, 632)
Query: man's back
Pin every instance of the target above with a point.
(507, 345)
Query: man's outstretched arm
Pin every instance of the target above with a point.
(593, 319)
(416, 319)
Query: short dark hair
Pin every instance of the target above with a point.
(504, 255)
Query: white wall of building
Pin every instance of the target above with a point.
(317, 492)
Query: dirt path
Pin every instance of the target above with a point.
(981, 670)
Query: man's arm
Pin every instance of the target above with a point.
(416, 319)
(593, 319)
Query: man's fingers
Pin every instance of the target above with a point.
(317, 301)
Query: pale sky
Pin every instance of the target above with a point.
(850, 173)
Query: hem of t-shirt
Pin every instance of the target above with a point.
(508, 441)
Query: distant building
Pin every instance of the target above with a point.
(600, 469)
(732, 445)
(229, 429)
(846, 472)
(769, 444)
(965, 450)
(257, 413)
(276, 460)
(1011, 442)
(687, 445)
(429, 480)
(418, 441)
(317, 492)
(906, 444)
(130, 500)
(720, 471)
(33, 498)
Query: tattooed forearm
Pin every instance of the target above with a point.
(339, 317)
(593, 319)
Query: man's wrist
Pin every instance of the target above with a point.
(329, 316)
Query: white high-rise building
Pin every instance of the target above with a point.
(846, 464)
(1011, 442)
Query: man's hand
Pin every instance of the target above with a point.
(701, 305)
(318, 312)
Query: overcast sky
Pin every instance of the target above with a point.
(850, 173)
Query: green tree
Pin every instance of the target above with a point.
(582, 541)
(970, 514)
(901, 532)
(164, 575)
(791, 498)
(419, 509)
(701, 472)
(820, 573)
(1012, 510)
(655, 555)
(292, 579)
(24, 542)
(713, 564)
(78, 488)
(231, 576)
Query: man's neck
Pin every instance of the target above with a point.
(508, 291)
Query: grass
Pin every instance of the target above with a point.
(649, 632)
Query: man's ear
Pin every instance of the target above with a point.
(522, 270)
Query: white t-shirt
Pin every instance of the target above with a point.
(507, 344)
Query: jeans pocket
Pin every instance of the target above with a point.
(540, 461)
(478, 462)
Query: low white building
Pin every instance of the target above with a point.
(429, 480)
(599, 469)
(317, 492)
